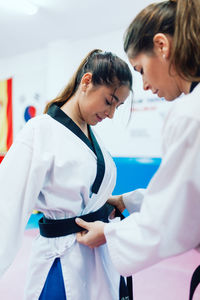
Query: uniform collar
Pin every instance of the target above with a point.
(56, 113)
(194, 83)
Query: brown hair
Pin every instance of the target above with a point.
(106, 68)
(181, 20)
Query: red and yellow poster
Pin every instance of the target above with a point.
(6, 122)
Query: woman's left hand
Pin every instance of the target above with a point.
(94, 234)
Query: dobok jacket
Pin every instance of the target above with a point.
(51, 167)
(166, 216)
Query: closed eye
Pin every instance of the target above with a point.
(119, 105)
(108, 103)
(140, 71)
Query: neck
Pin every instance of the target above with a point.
(71, 108)
(184, 85)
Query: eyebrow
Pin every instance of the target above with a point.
(115, 97)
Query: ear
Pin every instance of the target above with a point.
(162, 45)
(86, 80)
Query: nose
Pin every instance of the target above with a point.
(110, 112)
(145, 85)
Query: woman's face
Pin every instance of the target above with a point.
(154, 68)
(99, 102)
(155, 74)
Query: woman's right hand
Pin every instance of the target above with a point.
(117, 201)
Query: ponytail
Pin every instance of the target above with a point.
(106, 68)
(178, 18)
(185, 54)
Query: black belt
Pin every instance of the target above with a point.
(55, 228)
(194, 282)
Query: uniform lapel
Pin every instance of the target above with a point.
(55, 112)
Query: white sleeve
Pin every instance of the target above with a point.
(21, 178)
(168, 222)
(133, 200)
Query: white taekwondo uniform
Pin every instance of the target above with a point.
(51, 169)
(168, 221)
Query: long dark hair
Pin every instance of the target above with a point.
(181, 20)
(106, 68)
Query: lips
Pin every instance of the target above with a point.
(159, 95)
(155, 91)
(99, 118)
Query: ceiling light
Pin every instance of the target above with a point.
(20, 6)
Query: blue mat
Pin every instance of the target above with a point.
(33, 221)
(134, 173)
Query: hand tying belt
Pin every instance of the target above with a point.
(51, 228)
(55, 228)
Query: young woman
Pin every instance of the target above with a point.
(163, 44)
(57, 165)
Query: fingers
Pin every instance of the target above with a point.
(112, 200)
(80, 236)
(94, 236)
(83, 238)
(112, 214)
(117, 201)
(82, 223)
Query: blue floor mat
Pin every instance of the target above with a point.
(33, 221)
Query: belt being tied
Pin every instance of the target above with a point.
(50, 228)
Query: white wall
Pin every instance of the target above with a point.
(29, 82)
(40, 75)
(64, 56)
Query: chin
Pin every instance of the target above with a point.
(93, 123)
(171, 97)
(168, 98)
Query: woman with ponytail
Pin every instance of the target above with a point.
(163, 45)
(58, 166)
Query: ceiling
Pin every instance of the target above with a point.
(58, 19)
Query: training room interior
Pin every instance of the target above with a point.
(42, 44)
